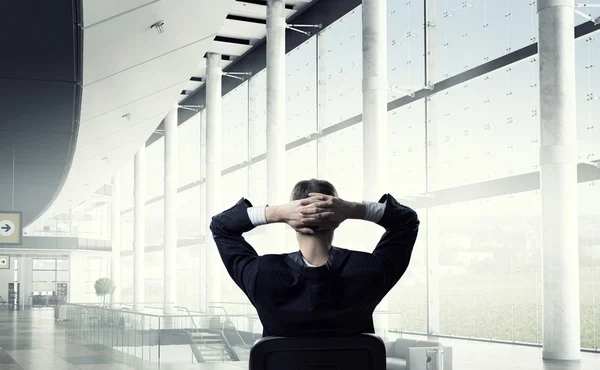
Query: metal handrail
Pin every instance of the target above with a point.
(234, 327)
(196, 328)
(150, 314)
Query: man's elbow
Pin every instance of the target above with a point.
(215, 225)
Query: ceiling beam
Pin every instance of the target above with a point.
(246, 19)
(232, 40)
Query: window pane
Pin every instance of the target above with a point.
(155, 224)
(127, 185)
(188, 277)
(340, 161)
(409, 295)
(234, 186)
(127, 278)
(406, 158)
(63, 276)
(588, 98)
(589, 262)
(258, 183)
(466, 149)
(405, 38)
(153, 277)
(257, 118)
(301, 90)
(301, 164)
(490, 265)
(44, 264)
(487, 29)
(155, 169)
(62, 264)
(234, 140)
(44, 276)
(188, 151)
(340, 69)
(188, 213)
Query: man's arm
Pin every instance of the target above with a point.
(395, 247)
(239, 258)
(401, 223)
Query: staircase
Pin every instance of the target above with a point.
(210, 346)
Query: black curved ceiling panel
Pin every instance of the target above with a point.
(40, 94)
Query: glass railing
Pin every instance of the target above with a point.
(140, 338)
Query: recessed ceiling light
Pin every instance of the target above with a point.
(127, 116)
(105, 159)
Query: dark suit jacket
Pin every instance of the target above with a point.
(334, 299)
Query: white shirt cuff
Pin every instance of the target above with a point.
(374, 211)
(258, 215)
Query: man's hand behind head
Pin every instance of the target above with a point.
(291, 214)
(325, 212)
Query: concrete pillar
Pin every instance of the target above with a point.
(431, 228)
(375, 128)
(170, 250)
(558, 163)
(25, 280)
(139, 228)
(276, 117)
(115, 230)
(375, 92)
(214, 166)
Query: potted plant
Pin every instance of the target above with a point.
(104, 287)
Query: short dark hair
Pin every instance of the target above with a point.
(305, 187)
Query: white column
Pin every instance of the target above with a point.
(115, 230)
(213, 170)
(558, 162)
(375, 92)
(170, 251)
(431, 229)
(276, 117)
(26, 280)
(375, 131)
(139, 228)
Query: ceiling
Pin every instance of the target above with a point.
(133, 75)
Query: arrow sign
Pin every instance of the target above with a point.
(4, 262)
(11, 230)
(7, 228)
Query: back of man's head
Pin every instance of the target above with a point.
(305, 187)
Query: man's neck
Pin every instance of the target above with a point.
(314, 250)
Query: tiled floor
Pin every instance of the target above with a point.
(31, 340)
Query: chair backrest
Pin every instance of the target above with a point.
(357, 352)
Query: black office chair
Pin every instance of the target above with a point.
(357, 352)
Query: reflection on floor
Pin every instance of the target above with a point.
(31, 340)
